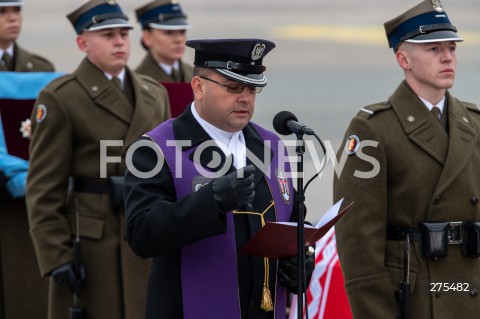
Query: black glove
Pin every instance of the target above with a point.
(232, 192)
(288, 271)
(66, 276)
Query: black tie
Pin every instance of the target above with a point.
(436, 112)
(175, 75)
(116, 82)
(438, 115)
(7, 61)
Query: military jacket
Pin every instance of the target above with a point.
(25, 61)
(79, 119)
(407, 170)
(150, 67)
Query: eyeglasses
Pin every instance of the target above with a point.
(236, 88)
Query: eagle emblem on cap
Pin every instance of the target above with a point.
(257, 51)
(437, 6)
(112, 2)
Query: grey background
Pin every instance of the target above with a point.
(331, 56)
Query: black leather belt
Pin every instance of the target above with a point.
(90, 185)
(455, 232)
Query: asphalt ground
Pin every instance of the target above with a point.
(331, 57)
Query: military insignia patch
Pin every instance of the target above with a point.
(257, 51)
(283, 185)
(353, 142)
(41, 113)
(199, 181)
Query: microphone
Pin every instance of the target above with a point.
(286, 123)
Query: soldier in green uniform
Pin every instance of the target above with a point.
(164, 34)
(81, 121)
(12, 56)
(22, 291)
(412, 169)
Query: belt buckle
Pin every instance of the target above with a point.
(455, 233)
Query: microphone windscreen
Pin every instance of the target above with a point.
(280, 122)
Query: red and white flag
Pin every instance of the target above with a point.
(326, 296)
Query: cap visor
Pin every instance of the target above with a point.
(249, 79)
(12, 4)
(437, 36)
(109, 24)
(172, 24)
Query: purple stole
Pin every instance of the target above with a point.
(209, 266)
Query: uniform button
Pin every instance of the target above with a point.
(437, 201)
(438, 295)
(474, 292)
(474, 200)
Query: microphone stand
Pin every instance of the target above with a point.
(300, 150)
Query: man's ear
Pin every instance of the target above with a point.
(198, 87)
(82, 43)
(403, 59)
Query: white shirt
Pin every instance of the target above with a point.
(430, 106)
(120, 76)
(229, 143)
(169, 68)
(9, 50)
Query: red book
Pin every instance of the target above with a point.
(279, 240)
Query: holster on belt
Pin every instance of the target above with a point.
(116, 192)
(471, 238)
(434, 239)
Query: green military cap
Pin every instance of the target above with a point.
(11, 3)
(163, 15)
(426, 22)
(97, 15)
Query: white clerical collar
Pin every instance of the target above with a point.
(169, 68)
(120, 76)
(229, 143)
(430, 106)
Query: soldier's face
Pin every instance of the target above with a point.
(108, 49)
(10, 25)
(167, 46)
(432, 65)
(230, 112)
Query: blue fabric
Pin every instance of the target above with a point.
(22, 86)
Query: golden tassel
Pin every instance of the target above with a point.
(267, 303)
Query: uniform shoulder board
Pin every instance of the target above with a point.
(471, 106)
(57, 83)
(147, 78)
(369, 110)
(43, 61)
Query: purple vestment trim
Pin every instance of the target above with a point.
(209, 266)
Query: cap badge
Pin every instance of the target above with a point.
(257, 51)
(112, 2)
(437, 6)
(283, 185)
(352, 145)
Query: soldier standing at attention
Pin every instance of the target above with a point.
(12, 56)
(413, 171)
(70, 184)
(164, 35)
(23, 293)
